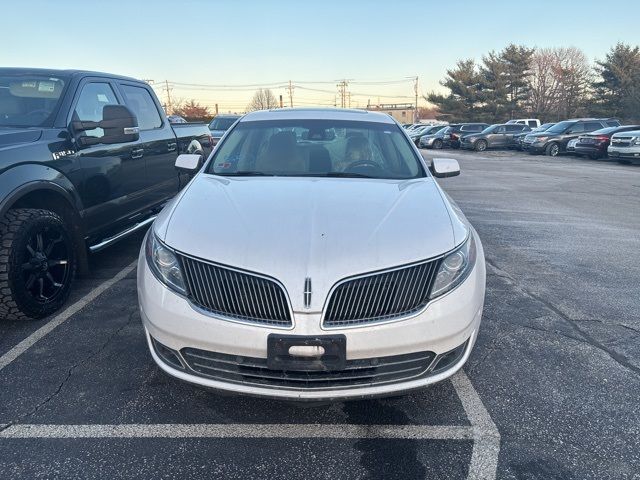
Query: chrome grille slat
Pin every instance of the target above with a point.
(380, 296)
(234, 294)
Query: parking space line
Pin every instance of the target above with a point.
(242, 430)
(486, 445)
(62, 317)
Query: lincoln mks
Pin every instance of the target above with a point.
(313, 256)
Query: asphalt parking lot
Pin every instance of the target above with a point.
(550, 391)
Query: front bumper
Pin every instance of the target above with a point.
(624, 152)
(538, 147)
(445, 324)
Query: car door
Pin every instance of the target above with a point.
(574, 132)
(158, 142)
(497, 138)
(112, 174)
(512, 130)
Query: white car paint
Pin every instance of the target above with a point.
(327, 229)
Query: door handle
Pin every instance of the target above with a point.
(171, 146)
(137, 153)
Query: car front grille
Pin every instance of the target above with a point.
(621, 141)
(380, 297)
(254, 371)
(236, 295)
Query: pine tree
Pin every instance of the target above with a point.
(617, 88)
(464, 101)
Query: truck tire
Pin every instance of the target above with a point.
(37, 263)
(553, 149)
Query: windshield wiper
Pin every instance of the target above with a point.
(246, 173)
(337, 174)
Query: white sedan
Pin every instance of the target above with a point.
(312, 257)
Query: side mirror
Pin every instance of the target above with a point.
(118, 123)
(444, 167)
(188, 162)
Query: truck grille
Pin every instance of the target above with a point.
(236, 295)
(250, 370)
(381, 296)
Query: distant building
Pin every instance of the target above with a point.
(402, 112)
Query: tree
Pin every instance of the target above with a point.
(517, 60)
(493, 88)
(263, 99)
(192, 111)
(617, 86)
(463, 102)
(559, 84)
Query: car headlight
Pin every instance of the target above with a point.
(637, 141)
(455, 268)
(164, 263)
(540, 139)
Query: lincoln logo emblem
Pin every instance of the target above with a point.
(307, 292)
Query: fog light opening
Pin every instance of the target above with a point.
(450, 358)
(168, 355)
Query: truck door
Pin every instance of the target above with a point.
(158, 142)
(112, 174)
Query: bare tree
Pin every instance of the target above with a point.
(559, 82)
(263, 99)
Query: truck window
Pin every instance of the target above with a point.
(93, 98)
(144, 108)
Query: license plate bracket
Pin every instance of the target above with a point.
(334, 356)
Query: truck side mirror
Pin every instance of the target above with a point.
(119, 124)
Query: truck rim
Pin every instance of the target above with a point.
(46, 272)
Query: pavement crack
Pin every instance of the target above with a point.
(620, 359)
(70, 371)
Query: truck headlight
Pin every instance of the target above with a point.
(164, 264)
(455, 268)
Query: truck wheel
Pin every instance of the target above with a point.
(480, 145)
(37, 263)
(437, 144)
(552, 149)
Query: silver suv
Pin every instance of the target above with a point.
(625, 147)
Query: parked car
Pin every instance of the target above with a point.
(554, 140)
(434, 138)
(451, 136)
(571, 146)
(372, 283)
(595, 144)
(494, 136)
(519, 137)
(530, 122)
(85, 159)
(625, 147)
(220, 124)
(417, 134)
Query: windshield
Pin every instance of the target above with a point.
(491, 128)
(436, 129)
(560, 127)
(323, 148)
(222, 123)
(29, 100)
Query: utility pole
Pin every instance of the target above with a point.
(281, 105)
(169, 106)
(416, 117)
(216, 109)
(290, 88)
(342, 89)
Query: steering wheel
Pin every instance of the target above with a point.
(41, 112)
(363, 165)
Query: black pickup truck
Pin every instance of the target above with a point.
(86, 158)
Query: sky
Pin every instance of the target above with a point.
(221, 51)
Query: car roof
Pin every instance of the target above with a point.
(62, 72)
(318, 114)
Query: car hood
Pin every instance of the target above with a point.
(13, 136)
(325, 229)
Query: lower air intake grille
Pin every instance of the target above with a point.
(382, 296)
(234, 294)
(249, 370)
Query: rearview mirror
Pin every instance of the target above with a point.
(118, 123)
(188, 162)
(444, 167)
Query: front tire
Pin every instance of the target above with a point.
(437, 144)
(552, 150)
(480, 146)
(37, 263)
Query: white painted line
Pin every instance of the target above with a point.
(486, 445)
(62, 317)
(242, 430)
